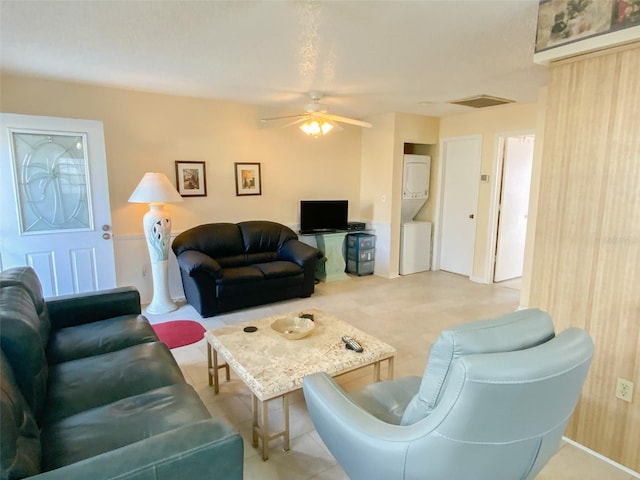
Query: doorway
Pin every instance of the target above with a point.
(515, 165)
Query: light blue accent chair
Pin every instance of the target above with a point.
(493, 404)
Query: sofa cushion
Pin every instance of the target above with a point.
(510, 332)
(290, 285)
(26, 278)
(120, 423)
(214, 239)
(80, 308)
(232, 261)
(236, 275)
(264, 236)
(15, 301)
(91, 382)
(262, 257)
(23, 338)
(20, 454)
(279, 269)
(99, 337)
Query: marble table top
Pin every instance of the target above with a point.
(271, 365)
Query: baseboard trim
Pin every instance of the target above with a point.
(599, 456)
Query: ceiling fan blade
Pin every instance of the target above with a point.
(284, 117)
(300, 120)
(350, 121)
(336, 126)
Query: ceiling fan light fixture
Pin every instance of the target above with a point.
(316, 128)
(326, 127)
(317, 122)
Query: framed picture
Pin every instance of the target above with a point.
(573, 27)
(564, 21)
(248, 181)
(191, 179)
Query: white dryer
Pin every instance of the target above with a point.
(416, 174)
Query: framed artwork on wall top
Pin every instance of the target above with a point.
(580, 26)
(248, 181)
(191, 178)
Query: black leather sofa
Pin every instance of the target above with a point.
(88, 392)
(228, 266)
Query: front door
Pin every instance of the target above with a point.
(460, 182)
(55, 213)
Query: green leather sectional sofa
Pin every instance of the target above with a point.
(89, 393)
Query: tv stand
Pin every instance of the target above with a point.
(331, 244)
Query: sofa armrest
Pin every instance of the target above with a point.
(194, 261)
(79, 308)
(207, 449)
(298, 252)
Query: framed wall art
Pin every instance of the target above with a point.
(248, 180)
(574, 27)
(191, 178)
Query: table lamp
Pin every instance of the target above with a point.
(156, 190)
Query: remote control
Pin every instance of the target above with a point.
(352, 344)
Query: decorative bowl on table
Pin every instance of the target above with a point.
(293, 328)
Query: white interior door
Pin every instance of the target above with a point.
(460, 183)
(55, 213)
(514, 207)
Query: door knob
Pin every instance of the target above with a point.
(106, 236)
(106, 228)
(471, 215)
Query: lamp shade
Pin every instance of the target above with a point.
(316, 128)
(155, 188)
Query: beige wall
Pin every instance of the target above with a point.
(376, 174)
(148, 132)
(488, 123)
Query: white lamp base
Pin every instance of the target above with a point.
(161, 302)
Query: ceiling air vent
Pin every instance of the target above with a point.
(482, 101)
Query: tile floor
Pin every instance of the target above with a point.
(407, 312)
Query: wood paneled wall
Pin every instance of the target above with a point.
(586, 260)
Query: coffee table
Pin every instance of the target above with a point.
(273, 366)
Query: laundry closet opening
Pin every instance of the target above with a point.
(415, 218)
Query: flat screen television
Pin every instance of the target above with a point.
(317, 216)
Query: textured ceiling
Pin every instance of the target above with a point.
(368, 57)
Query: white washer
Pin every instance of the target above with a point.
(415, 247)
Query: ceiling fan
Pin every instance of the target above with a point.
(315, 120)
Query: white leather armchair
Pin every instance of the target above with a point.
(477, 414)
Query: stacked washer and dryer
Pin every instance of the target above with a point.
(415, 236)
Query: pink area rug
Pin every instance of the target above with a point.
(178, 333)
